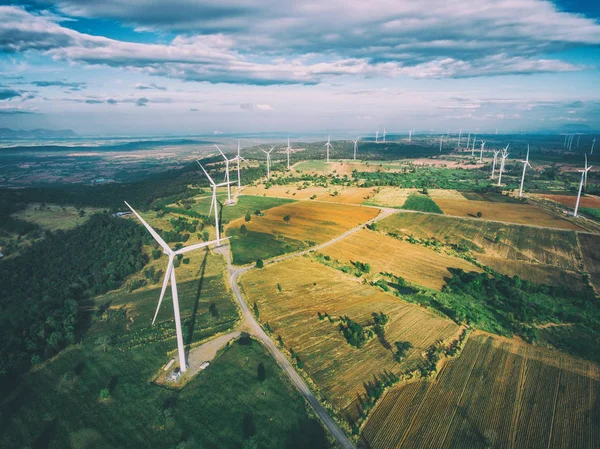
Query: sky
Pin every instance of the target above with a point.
(146, 67)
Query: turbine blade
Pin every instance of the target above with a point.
(224, 157)
(206, 173)
(154, 234)
(197, 246)
(164, 288)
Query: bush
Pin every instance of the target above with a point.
(287, 218)
(248, 217)
(243, 230)
(259, 263)
(104, 393)
(479, 215)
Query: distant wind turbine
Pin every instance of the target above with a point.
(496, 152)
(288, 150)
(214, 204)
(525, 164)
(593, 143)
(481, 151)
(410, 131)
(239, 159)
(504, 156)
(170, 275)
(459, 136)
(355, 146)
(473, 149)
(441, 142)
(328, 146)
(583, 175)
(377, 136)
(268, 153)
(468, 141)
(384, 133)
(226, 175)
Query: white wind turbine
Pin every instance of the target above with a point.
(384, 133)
(288, 150)
(525, 164)
(355, 146)
(593, 143)
(214, 205)
(268, 153)
(328, 146)
(496, 152)
(468, 141)
(459, 136)
(227, 161)
(441, 142)
(239, 159)
(410, 131)
(377, 136)
(583, 175)
(473, 148)
(170, 274)
(504, 156)
(481, 151)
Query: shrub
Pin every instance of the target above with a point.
(259, 263)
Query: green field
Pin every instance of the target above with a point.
(422, 203)
(260, 245)
(246, 203)
(52, 217)
(59, 404)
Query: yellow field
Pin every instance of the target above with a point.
(349, 195)
(290, 191)
(338, 368)
(498, 393)
(309, 221)
(590, 247)
(414, 263)
(505, 212)
(52, 217)
(396, 197)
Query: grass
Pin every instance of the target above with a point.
(339, 369)
(591, 212)
(59, 404)
(421, 203)
(246, 203)
(53, 217)
(512, 393)
(260, 245)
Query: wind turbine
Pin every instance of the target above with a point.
(376, 137)
(593, 143)
(459, 136)
(268, 153)
(329, 146)
(410, 131)
(384, 133)
(441, 142)
(473, 148)
(227, 175)
(565, 144)
(214, 203)
(170, 274)
(525, 164)
(355, 146)
(239, 159)
(287, 150)
(583, 175)
(468, 141)
(496, 152)
(481, 152)
(504, 156)
(578, 139)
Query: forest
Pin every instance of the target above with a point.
(46, 287)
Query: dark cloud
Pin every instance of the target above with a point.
(94, 101)
(71, 85)
(151, 86)
(7, 94)
(111, 101)
(141, 101)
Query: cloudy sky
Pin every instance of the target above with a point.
(141, 67)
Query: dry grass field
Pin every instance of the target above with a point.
(569, 200)
(494, 243)
(396, 197)
(499, 393)
(313, 222)
(340, 370)
(290, 191)
(590, 247)
(504, 212)
(415, 263)
(349, 195)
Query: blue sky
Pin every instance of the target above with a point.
(144, 67)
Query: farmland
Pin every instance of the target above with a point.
(422, 203)
(350, 195)
(52, 217)
(396, 197)
(245, 203)
(587, 201)
(590, 247)
(504, 212)
(339, 370)
(415, 263)
(511, 242)
(498, 393)
(308, 224)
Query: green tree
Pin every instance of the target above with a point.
(479, 215)
(287, 218)
(248, 217)
(261, 371)
(243, 229)
(256, 311)
(214, 312)
(259, 263)
(104, 393)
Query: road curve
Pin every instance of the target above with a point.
(234, 273)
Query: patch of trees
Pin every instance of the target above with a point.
(355, 334)
(45, 288)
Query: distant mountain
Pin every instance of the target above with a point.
(7, 133)
(575, 128)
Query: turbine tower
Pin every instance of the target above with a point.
(376, 137)
(459, 136)
(328, 146)
(214, 205)
(268, 153)
(226, 175)
(583, 175)
(525, 164)
(355, 146)
(239, 159)
(170, 275)
(288, 150)
(384, 133)
(468, 141)
(473, 148)
(441, 142)
(496, 152)
(410, 131)
(504, 156)
(593, 143)
(481, 151)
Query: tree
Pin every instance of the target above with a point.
(479, 215)
(259, 263)
(279, 287)
(81, 213)
(205, 236)
(248, 217)
(401, 348)
(261, 371)
(243, 229)
(103, 343)
(104, 393)
(256, 311)
(156, 253)
(214, 312)
(287, 218)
